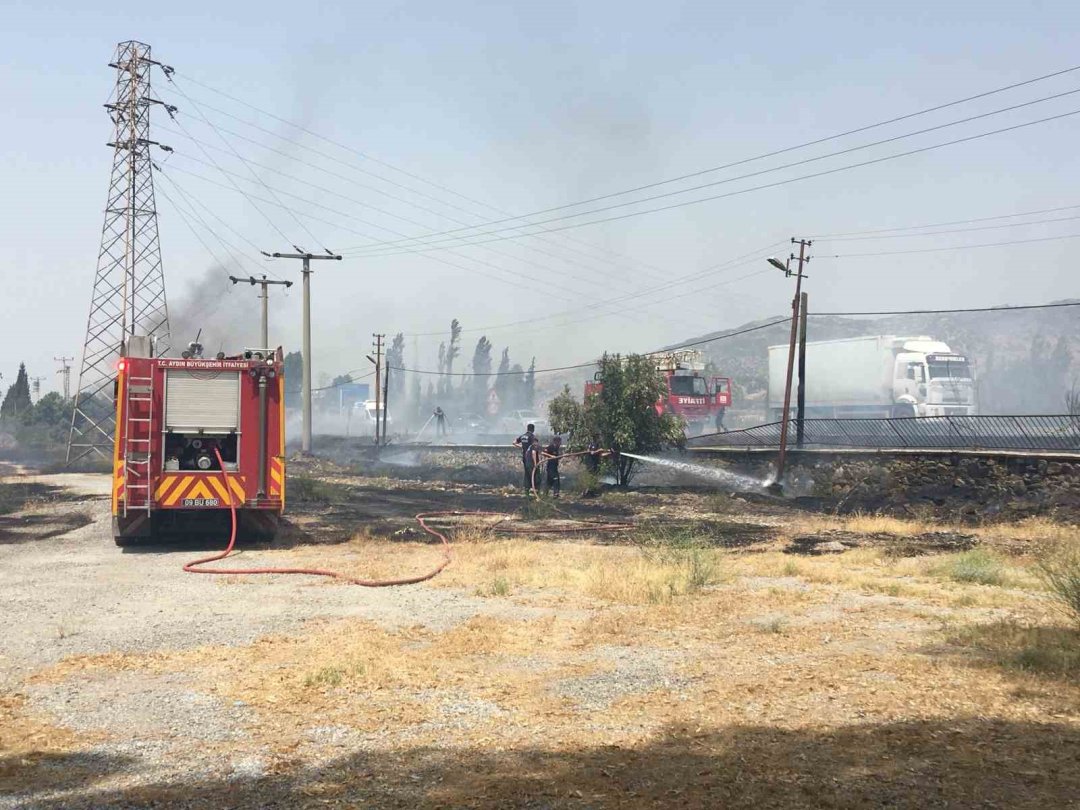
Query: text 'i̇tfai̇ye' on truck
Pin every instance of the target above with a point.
(701, 401)
(174, 416)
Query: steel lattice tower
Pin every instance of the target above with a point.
(129, 286)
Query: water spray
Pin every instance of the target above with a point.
(725, 478)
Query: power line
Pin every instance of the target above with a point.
(950, 311)
(758, 173)
(825, 236)
(748, 330)
(439, 259)
(377, 242)
(729, 264)
(952, 247)
(761, 187)
(382, 178)
(724, 336)
(239, 157)
(951, 230)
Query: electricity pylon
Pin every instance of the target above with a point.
(128, 298)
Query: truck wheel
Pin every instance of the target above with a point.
(903, 411)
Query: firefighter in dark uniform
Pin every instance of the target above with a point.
(534, 462)
(552, 453)
(524, 441)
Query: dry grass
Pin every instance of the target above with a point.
(1036, 649)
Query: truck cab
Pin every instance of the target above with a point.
(932, 380)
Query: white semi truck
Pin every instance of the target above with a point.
(876, 376)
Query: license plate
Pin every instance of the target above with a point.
(201, 502)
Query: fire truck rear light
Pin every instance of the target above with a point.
(120, 365)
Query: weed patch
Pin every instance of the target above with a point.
(976, 567)
(500, 586)
(303, 489)
(1059, 570)
(1046, 651)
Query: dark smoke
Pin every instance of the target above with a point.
(227, 314)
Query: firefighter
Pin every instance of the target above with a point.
(440, 421)
(593, 455)
(524, 441)
(534, 455)
(552, 453)
(720, 420)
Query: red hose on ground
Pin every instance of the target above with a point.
(192, 567)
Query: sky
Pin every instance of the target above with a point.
(422, 117)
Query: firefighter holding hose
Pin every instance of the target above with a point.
(552, 453)
(524, 441)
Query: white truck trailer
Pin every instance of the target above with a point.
(876, 376)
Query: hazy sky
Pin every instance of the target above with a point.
(527, 106)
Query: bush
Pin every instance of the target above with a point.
(1059, 570)
(978, 567)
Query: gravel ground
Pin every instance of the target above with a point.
(77, 593)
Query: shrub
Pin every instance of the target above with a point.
(978, 567)
(1059, 570)
(302, 489)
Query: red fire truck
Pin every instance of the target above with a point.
(175, 416)
(699, 400)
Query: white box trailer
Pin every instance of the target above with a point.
(876, 376)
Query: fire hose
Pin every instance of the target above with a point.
(194, 567)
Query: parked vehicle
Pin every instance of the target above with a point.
(701, 401)
(516, 421)
(877, 376)
(470, 423)
(362, 422)
(196, 435)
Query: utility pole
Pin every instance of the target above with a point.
(65, 374)
(305, 435)
(265, 283)
(385, 399)
(36, 386)
(378, 392)
(800, 407)
(796, 302)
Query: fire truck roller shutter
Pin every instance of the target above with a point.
(202, 400)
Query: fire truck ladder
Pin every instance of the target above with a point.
(138, 428)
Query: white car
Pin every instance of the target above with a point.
(362, 422)
(516, 421)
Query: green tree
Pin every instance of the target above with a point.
(17, 400)
(528, 386)
(481, 366)
(623, 413)
(504, 382)
(395, 359)
(46, 422)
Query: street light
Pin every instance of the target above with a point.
(778, 483)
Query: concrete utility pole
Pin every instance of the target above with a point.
(65, 374)
(36, 385)
(378, 391)
(800, 407)
(796, 302)
(265, 283)
(305, 435)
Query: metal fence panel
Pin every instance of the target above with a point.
(1048, 432)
